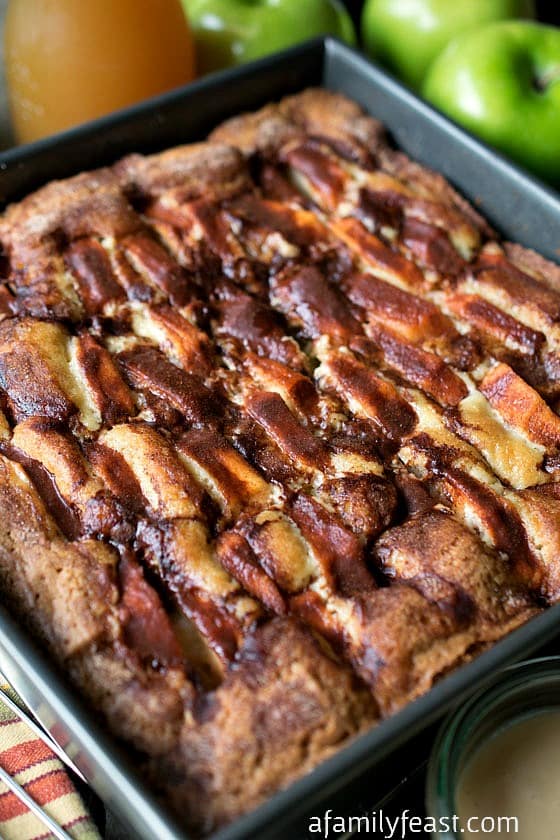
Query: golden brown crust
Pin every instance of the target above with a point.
(66, 591)
(318, 112)
(313, 112)
(449, 565)
(67, 594)
(194, 170)
(285, 706)
(90, 203)
(279, 441)
(533, 263)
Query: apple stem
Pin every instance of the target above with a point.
(542, 82)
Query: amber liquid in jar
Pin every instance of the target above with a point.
(68, 61)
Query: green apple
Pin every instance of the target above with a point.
(229, 32)
(503, 83)
(407, 35)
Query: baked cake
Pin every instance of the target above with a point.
(279, 442)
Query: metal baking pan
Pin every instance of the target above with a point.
(517, 205)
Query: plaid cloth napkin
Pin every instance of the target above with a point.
(31, 763)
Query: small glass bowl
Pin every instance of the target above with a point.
(522, 691)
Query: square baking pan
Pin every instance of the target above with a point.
(518, 206)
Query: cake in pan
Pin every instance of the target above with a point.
(279, 442)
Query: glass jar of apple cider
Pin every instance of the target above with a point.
(68, 61)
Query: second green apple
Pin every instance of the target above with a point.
(230, 32)
(407, 35)
(503, 83)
